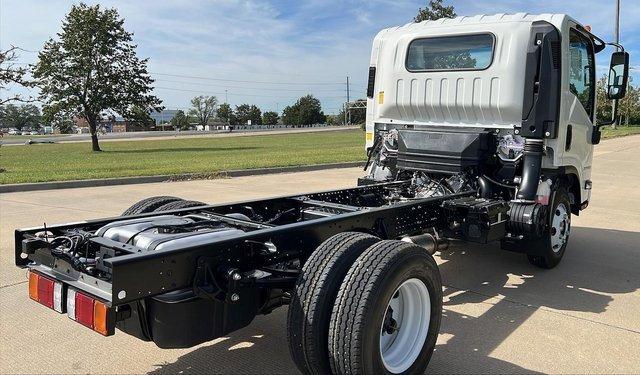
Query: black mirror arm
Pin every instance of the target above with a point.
(617, 45)
(612, 121)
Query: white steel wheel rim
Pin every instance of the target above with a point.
(560, 227)
(407, 316)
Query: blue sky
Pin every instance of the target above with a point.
(271, 52)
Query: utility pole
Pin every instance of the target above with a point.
(226, 97)
(616, 36)
(347, 112)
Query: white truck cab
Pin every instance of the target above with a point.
(527, 79)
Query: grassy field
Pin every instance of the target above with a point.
(75, 161)
(206, 156)
(620, 131)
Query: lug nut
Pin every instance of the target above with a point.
(236, 276)
(235, 297)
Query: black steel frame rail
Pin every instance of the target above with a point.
(145, 274)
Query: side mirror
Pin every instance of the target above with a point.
(618, 75)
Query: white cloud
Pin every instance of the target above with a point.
(259, 40)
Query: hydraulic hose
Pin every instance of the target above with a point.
(533, 149)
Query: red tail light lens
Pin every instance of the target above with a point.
(84, 310)
(90, 312)
(43, 289)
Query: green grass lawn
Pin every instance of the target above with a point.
(620, 131)
(76, 161)
(206, 156)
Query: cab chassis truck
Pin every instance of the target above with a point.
(479, 129)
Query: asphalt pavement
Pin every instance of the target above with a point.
(501, 315)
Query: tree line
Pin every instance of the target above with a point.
(205, 110)
(91, 69)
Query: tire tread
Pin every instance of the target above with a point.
(346, 327)
(313, 297)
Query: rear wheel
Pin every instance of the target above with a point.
(314, 295)
(176, 205)
(387, 313)
(552, 246)
(149, 205)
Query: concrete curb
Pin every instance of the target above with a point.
(12, 188)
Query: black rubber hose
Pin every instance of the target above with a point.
(372, 150)
(531, 169)
(486, 191)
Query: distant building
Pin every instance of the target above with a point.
(119, 124)
(163, 116)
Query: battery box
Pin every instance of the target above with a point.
(475, 219)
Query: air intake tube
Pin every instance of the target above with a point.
(531, 169)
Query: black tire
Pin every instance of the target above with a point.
(361, 307)
(546, 256)
(149, 205)
(313, 297)
(176, 205)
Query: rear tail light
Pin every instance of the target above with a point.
(101, 317)
(80, 307)
(84, 310)
(33, 286)
(58, 297)
(46, 291)
(90, 312)
(71, 303)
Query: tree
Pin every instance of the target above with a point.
(27, 115)
(93, 68)
(204, 108)
(248, 112)
(357, 115)
(180, 120)
(225, 114)
(140, 116)
(10, 74)
(270, 118)
(603, 106)
(628, 107)
(306, 111)
(335, 119)
(63, 123)
(434, 11)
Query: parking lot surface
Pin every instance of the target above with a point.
(501, 315)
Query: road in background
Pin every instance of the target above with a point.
(132, 136)
(501, 315)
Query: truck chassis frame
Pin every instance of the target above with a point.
(260, 247)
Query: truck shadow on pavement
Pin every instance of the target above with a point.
(489, 294)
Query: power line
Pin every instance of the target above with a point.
(252, 95)
(248, 88)
(247, 81)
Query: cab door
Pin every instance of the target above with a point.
(580, 101)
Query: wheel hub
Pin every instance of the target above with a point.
(405, 326)
(560, 227)
(390, 325)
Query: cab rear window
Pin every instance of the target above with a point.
(460, 52)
